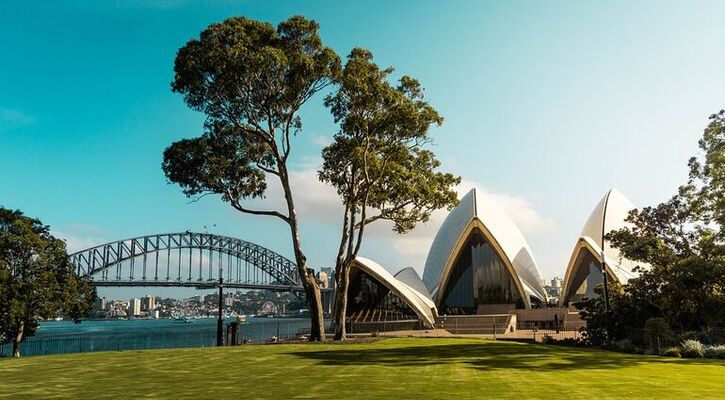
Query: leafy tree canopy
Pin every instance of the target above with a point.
(249, 79)
(36, 279)
(683, 241)
(378, 162)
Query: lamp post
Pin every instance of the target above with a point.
(220, 318)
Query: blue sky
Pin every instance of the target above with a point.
(546, 104)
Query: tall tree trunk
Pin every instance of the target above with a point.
(312, 289)
(317, 320)
(343, 284)
(18, 339)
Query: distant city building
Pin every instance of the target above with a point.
(229, 300)
(323, 279)
(101, 303)
(148, 303)
(330, 276)
(134, 307)
(557, 282)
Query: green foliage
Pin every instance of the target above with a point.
(672, 352)
(377, 162)
(692, 349)
(250, 80)
(572, 342)
(683, 243)
(657, 333)
(624, 346)
(36, 279)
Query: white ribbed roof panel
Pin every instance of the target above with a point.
(609, 215)
(476, 205)
(419, 303)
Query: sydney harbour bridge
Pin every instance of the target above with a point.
(187, 259)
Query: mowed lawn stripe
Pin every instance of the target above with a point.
(387, 369)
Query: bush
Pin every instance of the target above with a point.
(548, 339)
(671, 352)
(625, 346)
(657, 333)
(692, 349)
(714, 351)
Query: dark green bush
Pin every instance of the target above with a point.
(657, 333)
(625, 346)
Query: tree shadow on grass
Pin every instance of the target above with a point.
(489, 356)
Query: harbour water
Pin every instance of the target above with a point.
(56, 337)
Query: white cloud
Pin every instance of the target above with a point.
(317, 202)
(322, 140)
(80, 236)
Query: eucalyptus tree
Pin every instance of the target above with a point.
(250, 80)
(36, 279)
(378, 161)
(683, 241)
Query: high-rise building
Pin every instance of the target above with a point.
(330, 276)
(323, 279)
(134, 307)
(557, 283)
(148, 303)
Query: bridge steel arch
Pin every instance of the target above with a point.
(99, 260)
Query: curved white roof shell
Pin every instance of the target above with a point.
(477, 210)
(419, 303)
(609, 215)
(411, 278)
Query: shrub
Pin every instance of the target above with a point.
(548, 339)
(692, 349)
(625, 346)
(714, 351)
(657, 333)
(671, 352)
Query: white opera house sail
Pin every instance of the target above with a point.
(584, 271)
(480, 263)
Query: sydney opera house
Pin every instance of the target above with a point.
(479, 264)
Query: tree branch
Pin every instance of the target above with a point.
(272, 213)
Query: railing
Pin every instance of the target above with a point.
(259, 331)
(475, 324)
(88, 342)
(506, 327)
(384, 326)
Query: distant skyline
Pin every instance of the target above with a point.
(547, 105)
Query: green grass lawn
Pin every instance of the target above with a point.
(387, 369)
